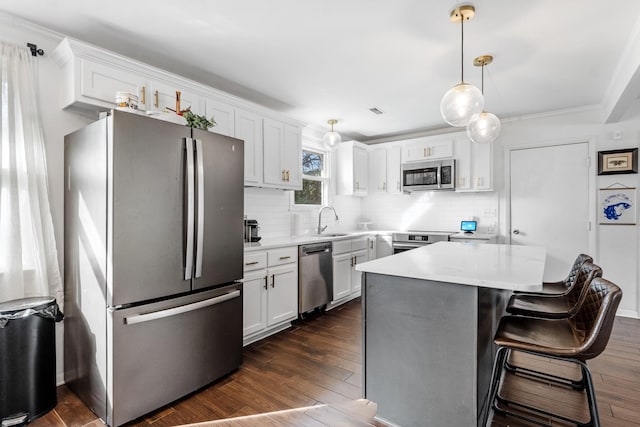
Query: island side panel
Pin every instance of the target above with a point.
(420, 350)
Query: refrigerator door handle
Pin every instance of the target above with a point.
(155, 315)
(200, 189)
(188, 258)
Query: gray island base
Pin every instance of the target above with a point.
(428, 344)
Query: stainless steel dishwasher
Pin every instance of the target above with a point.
(315, 276)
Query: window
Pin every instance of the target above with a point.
(314, 180)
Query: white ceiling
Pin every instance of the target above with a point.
(316, 60)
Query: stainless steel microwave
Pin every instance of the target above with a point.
(430, 175)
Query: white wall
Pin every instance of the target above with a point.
(616, 247)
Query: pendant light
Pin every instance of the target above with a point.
(483, 127)
(463, 100)
(331, 138)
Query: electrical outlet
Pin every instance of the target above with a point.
(490, 212)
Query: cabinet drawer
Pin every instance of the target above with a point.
(255, 261)
(283, 256)
(359, 244)
(341, 247)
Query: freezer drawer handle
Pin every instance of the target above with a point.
(147, 317)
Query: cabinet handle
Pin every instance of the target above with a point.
(384, 186)
(284, 257)
(283, 175)
(143, 99)
(287, 175)
(251, 263)
(478, 181)
(424, 151)
(273, 280)
(371, 244)
(156, 98)
(357, 185)
(266, 282)
(430, 154)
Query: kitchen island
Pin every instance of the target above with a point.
(429, 316)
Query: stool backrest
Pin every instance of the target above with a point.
(575, 268)
(594, 320)
(576, 294)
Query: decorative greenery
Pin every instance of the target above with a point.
(196, 121)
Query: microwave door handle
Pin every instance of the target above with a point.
(438, 181)
(188, 258)
(200, 214)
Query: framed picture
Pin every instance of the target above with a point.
(617, 206)
(618, 161)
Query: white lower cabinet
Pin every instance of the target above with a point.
(346, 279)
(270, 292)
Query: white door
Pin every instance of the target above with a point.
(341, 275)
(549, 203)
(254, 306)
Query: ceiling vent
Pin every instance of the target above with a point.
(376, 110)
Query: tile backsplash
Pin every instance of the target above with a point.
(430, 210)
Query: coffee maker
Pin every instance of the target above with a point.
(251, 229)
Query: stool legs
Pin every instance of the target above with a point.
(500, 365)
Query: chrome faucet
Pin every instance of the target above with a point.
(320, 227)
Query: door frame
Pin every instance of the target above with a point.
(590, 140)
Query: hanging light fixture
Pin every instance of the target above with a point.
(331, 138)
(463, 100)
(483, 127)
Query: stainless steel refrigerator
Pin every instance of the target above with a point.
(153, 252)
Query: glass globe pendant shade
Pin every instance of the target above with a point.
(483, 128)
(331, 139)
(460, 103)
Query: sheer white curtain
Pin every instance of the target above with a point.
(28, 258)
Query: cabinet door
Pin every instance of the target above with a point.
(101, 82)
(384, 247)
(254, 302)
(342, 275)
(482, 166)
(248, 127)
(223, 114)
(378, 170)
(163, 95)
(360, 172)
(356, 276)
(394, 183)
(463, 164)
(273, 137)
(292, 157)
(282, 295)
(440, 149)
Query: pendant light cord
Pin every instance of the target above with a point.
(461, 47)
(482, 85)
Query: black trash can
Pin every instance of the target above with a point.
(27, 358)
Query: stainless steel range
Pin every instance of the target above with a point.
(408, 240)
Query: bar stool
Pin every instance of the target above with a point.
(576, 339)
(555, 306)
(560, 287)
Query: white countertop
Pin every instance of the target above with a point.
(280, 242)
(475, 264)
(473, 236)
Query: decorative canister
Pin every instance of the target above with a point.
(127, 100)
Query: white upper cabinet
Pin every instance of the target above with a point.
(419, 149)
(474, 171)
(351, 159)
(282, 152)
(223, 114)
(163, 95)
(101, 82)
(384, 170)
(248, 127)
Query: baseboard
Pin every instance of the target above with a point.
(628, 313)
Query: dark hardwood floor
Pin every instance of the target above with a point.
(319, 361)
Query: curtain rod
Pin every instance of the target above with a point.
(34, 49)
